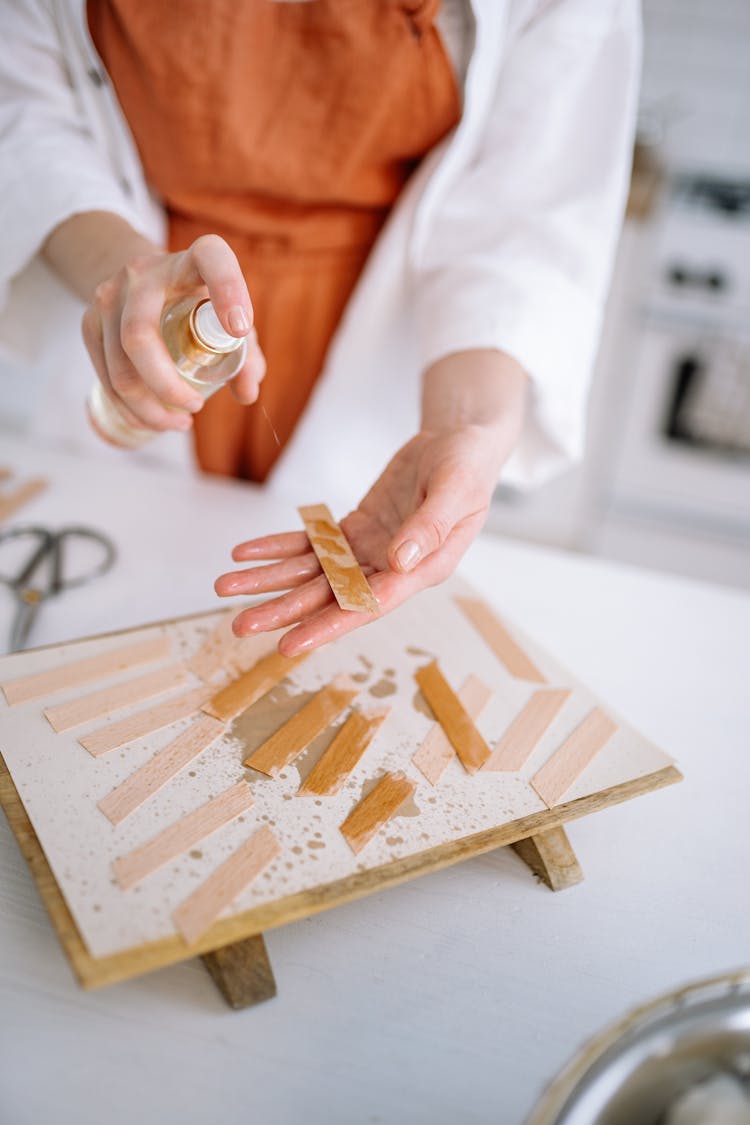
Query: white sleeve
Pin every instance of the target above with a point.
(523, 240)
(50, 164)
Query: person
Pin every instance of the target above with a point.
(378, 197)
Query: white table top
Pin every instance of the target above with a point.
(458, 995)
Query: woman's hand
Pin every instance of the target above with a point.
(127, 281)
(415, 523)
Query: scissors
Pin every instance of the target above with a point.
(43, 571)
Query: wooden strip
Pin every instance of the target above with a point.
(436, 752)
(147, 721)
(523, 734)
(569, 761)
(87, 671)
(151, 777)
(505, 648)
(22, 494)
(194, 916)
(215, 650)
(108, 700)
(453, 717)
(310, 721)
(236, 697)
(185, 833)
(349, 585)
(376, 809)
(330, 773)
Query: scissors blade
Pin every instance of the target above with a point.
(25, 614)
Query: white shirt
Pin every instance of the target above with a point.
(503, 238)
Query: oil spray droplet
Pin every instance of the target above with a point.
(267, 417)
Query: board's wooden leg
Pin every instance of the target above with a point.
(242, 972)
(550, 856)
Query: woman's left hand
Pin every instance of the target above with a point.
(414, 524)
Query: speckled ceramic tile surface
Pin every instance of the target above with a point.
(60, 783)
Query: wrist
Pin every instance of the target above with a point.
(88, 248)
(480, 387)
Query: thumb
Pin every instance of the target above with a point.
(428, 528)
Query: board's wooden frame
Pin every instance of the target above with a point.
(94, 972)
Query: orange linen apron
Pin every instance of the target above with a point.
(289, 129)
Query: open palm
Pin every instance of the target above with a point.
(409, 532)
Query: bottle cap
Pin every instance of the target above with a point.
(208, 329)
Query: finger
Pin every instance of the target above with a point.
(211, 261)
(141, 341)
(448, 502)
(128, 388)
(281, 546)
(331, 622)
(268, 579)
(245, 386)
(92, 336)
(278, 613)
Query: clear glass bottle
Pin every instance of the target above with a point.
(204, 355)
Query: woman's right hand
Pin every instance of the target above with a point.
(121, 325)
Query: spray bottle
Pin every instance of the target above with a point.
(204, 355)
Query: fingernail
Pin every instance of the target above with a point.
(239, 323)
(407, 555)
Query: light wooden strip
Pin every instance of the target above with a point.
(453, 717)
(147, 721)
(151, 777)
(310, 721)
(194, 916)
(185, 833)
(505, 648)
(118, 697)
(436, 752)
(349, 585)
(236, 697)
(330, 773)
(87, 671)
(22, 494)
(527, 728)
(376, 809)
(569, 761)
(212, 654)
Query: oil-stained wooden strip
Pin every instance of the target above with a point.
(310, 721)
(350, 743)
(525, 731)
(453, 717)
(376, 809)
(505, 648)
(87, 671)
(151, 777)
(22, 494)
(147, 721)
(185, 833)
(350, 587)
(569, 761)
(194, 916)
(108, 700)
(265, 674)
(436, 752)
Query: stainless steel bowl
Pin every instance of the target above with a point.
(633, 1072)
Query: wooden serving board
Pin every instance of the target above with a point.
(50, 786)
